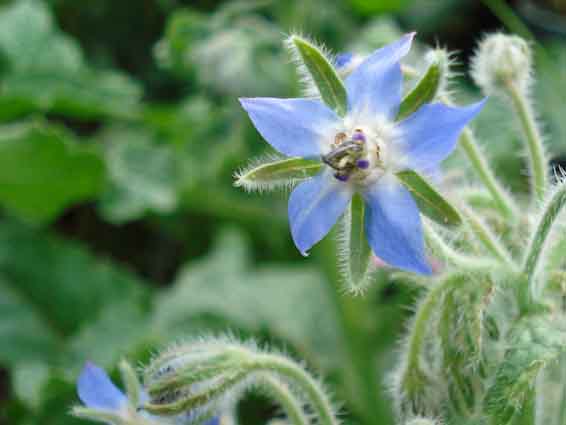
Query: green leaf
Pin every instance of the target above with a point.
(143, 176)
(50, 290)
(45, 70)
(430, 202)
(355, 249)
(224, 286)
(330, 86)
(277, 172)
(424, 92)
(31, 339)
(535, 344)
(44, 170)
(227, 52)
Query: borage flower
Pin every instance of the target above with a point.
(107, 403)
(362, 152)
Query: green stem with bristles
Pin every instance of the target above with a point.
(532, 264)
(503, 200)
(297, 376)
(538, 162)
(291, 404)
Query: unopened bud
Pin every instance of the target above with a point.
(502, 59)
(195, 377)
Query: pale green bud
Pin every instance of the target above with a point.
(502, 59)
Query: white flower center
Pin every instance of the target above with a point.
(360, 154)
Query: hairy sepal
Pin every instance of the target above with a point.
(429, 201)
(274, 172)
(355, 252)
(329, 84)
(424, 92)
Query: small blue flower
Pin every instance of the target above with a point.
(97, 391)
(362, 152)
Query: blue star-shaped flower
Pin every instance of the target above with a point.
(362, 152)
(97, 391)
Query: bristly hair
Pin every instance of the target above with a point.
(243, 179)
(309, 89)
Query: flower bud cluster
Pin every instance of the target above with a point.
(196, 377)
(502, 59)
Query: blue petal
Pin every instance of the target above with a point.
(295, 127)
(213, 421)
(97, 391)
(314, 207)
(429, 135)
(343, 59)
(375, 86)
(393, 226)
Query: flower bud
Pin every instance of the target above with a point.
(502, 59)
(195, 377)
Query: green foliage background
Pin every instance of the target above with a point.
(120, 229)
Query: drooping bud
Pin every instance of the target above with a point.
(502, 59)
(195, 377)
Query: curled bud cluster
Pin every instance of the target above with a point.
(502, 59)
(195, 377)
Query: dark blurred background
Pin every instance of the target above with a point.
(120, 228)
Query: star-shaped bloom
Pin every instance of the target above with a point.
(98, 392)
(362, 151)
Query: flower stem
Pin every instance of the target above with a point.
(284, 396)
(534, 258)
(450, 255)
(503, 200)
(487, 238)
(538, 162)
(297, 376)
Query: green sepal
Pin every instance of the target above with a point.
(329, 84)
(270, 174)
(356, 247)
(429, 201)
(131, 382)
(424, 92)
(101, 416)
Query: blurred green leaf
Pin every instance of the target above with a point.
(231, 53)
(272, 297)
(28, 382)
(119, 329)
(143, 176)
(370, 7)
(43, 170)
(44, 69)
(59, 288)
(31, 338)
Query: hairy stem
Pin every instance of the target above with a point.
(486, 237)
(538, 162)
(534, 258)
(503, 200)
(299, 377)
(450, 255)
(290, 403)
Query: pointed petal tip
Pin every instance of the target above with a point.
(96, 390)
